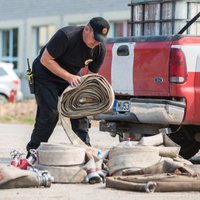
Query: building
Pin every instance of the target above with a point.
(26, 25)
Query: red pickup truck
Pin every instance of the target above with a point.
(156, 80)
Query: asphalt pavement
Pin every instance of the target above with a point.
(16, 136)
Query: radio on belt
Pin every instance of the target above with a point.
(30, 78)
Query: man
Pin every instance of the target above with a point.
(58, 66)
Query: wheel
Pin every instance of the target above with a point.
(184, 138)
(3, 99)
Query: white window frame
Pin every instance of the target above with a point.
(30, 44)
(10, 58)
(19, 24)
(36, 36)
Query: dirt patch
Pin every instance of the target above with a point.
(20, 110)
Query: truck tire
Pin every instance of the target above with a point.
(185, 138)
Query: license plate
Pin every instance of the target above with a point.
(121, 106)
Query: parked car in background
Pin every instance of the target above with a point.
(10, 84)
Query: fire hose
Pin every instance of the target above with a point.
(93, 96)
(14, 177)
(155, 183)
(22, 173)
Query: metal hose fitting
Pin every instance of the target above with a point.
(44, 177)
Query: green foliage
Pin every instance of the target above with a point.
(9, 119)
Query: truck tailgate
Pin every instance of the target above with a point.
(138, 67)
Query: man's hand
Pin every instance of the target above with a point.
(74, 80)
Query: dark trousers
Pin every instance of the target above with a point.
(47, 94)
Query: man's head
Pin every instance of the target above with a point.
(100, 28)
(95, 31)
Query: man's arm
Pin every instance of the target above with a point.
(49, 62)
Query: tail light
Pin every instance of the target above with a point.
(12, 97)
(178, 68)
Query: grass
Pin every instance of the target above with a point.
(9, 119)
(22, 113)
(30, 120)
(19, 112)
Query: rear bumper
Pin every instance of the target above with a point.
(149, 111)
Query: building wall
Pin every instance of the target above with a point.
(27, 14)
(33, 8)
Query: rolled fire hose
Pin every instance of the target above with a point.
(60, 154)
(136, 158)
(65, 162)
(167, 148)
(93, 96)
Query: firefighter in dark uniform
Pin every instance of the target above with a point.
(58, 66)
